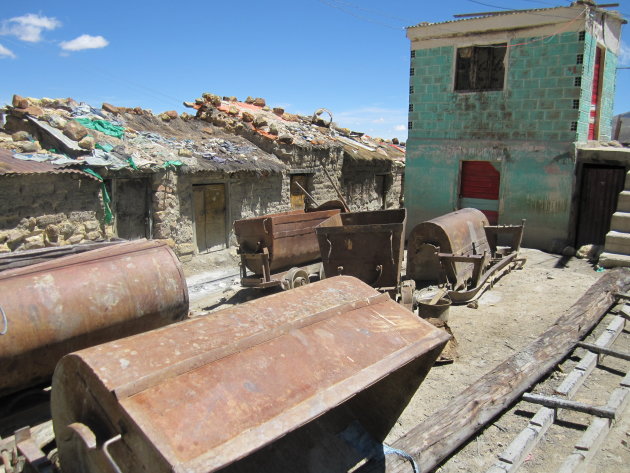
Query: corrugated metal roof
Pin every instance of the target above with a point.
(10, 165)
(507, 12)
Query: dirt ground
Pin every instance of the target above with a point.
(519, 307)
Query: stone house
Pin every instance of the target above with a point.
(46, 205)
(500, 107)
(185, 179)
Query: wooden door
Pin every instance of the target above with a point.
(479, 188)
(131, 208)
(297, 195)
(599, 191)
(210, 219)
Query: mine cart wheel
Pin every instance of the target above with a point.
(295, 277)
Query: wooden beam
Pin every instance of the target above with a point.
(433, 440)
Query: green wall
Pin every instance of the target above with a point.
(527, 131)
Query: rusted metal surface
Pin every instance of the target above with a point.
(201, 395)
(366, 245)
(276, 242)
(460, 250)
(13, 166)
(73, 302)
(458, 233)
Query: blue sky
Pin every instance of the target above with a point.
(351, 57)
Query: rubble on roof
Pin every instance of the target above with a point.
(63, 131)
(225, 135)
(264, 125)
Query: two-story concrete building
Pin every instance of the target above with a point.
(499, 107)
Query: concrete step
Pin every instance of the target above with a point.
(613, 260)
(617, 242)
(620, 222)
(623, 204)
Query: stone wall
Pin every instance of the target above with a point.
(41, 210)
(371, 185)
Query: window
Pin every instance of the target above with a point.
(577, 82)
(576, 104)
(580, 59)
(412, 71)
(411, 107)
(574, 126)
(411, 90)
(413, 53)
(480, 68)
(581, 35)
(410, 125)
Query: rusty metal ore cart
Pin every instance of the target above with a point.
(50, 309)
(367, 245)
(295, 381)
(277, 247)
(460, 250)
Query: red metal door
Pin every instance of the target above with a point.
(594, 114)
(479, 188)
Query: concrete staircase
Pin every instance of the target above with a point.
(617, 246)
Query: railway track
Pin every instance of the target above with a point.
(572, 411)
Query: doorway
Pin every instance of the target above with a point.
(210, 219)
(131, 208)
(599, 190)
(479, 188)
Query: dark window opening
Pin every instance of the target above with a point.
(580, 59)
(480, 68)
(574, 126)
(412, 71)
(411, 89)
(411, 107)
(577, 82)
(413, 53)
(576, 104)
(409, 125)
(581, 35)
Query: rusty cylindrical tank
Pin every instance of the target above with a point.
(459, 233)
(288, 371)
(53, 308)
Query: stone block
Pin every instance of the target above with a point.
(95, 235)
(34, 242)
(45, 220)
(74, 239)
(185, 249)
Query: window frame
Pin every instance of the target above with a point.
(475, 47)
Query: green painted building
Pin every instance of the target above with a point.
(498, 108)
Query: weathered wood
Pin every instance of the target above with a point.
(604, 351)
(443, 432)
(559, 403)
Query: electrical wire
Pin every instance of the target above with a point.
(332, 4)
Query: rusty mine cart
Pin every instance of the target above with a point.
(461, 252)
(280, 249)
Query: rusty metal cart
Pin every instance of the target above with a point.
(461, 251)
(279, 249)
(295, 381)
(367, 245)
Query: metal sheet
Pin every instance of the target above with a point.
(200, 395)
(77, 301)
(366, 245)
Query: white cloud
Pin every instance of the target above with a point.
(375, 121)
(4, 52)
(28, 27)
(85, 41)
(624, 54)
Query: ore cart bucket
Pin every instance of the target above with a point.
(366, 245)
(287, 239)
(295, 381)
(439, 310)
